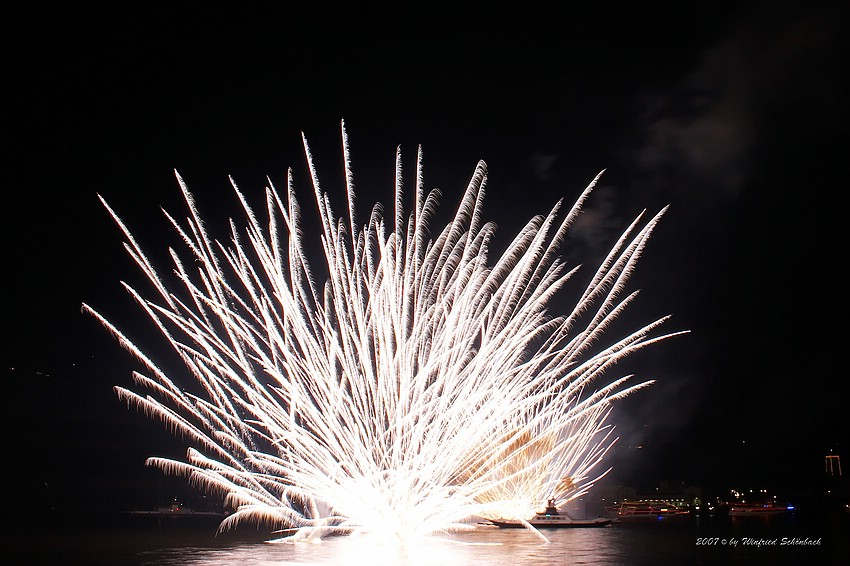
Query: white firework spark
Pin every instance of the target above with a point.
(419, 386)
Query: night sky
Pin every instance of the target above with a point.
(733, 113)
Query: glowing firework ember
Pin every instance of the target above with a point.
(418, 387)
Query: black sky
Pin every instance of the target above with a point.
(734, 113)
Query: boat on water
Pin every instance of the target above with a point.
(651, 509)
(551, 518)
(176, 509)
(751, 509)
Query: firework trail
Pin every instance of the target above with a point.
(415, 386)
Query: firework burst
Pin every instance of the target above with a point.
(414, 385)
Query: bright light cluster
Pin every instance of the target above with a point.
(406, 388)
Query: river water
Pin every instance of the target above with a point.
(708, 541)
